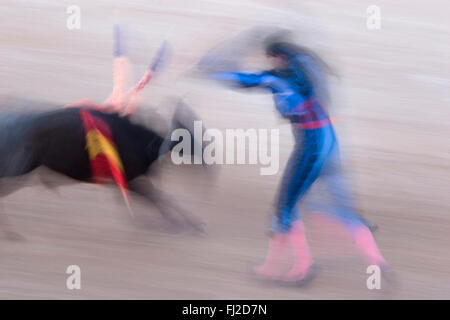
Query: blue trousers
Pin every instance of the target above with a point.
(315, 155)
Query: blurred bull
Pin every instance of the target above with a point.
(56, 139)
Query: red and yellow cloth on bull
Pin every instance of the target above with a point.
(105, 161)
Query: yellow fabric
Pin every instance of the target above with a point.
(97, 144)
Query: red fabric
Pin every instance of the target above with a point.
(102, 167)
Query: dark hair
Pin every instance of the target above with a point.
(285, 49)
(289, 51)
(296, 69)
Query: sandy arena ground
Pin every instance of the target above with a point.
(392, 105)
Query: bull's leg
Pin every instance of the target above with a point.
(166, 205)
(8, 186)
(7, 229)
(15, 165)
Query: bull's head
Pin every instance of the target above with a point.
(185, 136)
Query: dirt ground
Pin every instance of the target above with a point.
(391, 102)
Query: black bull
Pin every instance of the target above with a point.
(56, 140)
